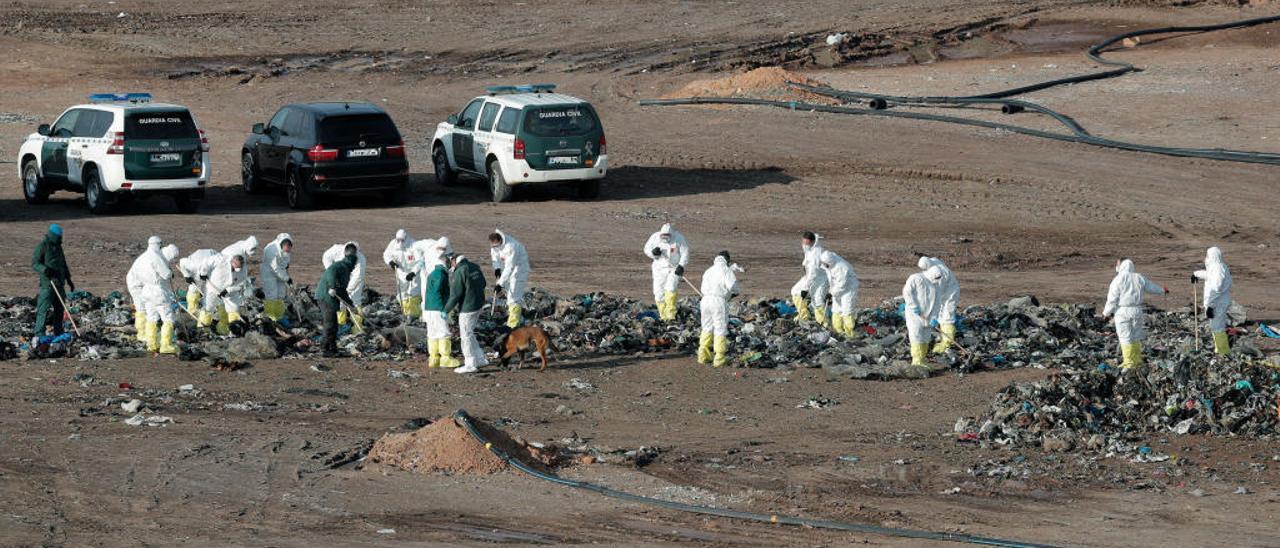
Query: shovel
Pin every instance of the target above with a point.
(691, 286)
(58, 294)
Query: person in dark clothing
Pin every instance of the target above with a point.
(331, 292)
(466, 295)
(51, 265)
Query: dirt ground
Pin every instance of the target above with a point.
(1011, 214)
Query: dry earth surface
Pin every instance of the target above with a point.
(1013, 215)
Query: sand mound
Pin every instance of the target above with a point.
(761, 83)
(445, 446)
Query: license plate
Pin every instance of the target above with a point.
(362, 153)
(562, 160)
(166, 158)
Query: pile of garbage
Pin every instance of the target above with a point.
(1090, 404)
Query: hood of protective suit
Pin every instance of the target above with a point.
(827, 258)
(443, 245)
(1124, 267)
(924, 263)
(1213, 257)
(282, 237)
(720, 261)
(401, 235)
(170, 252)
(153, 243)
(666, 229)
(934, 273)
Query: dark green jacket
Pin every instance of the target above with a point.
(336, 277)
(48, 260)
(437, 289)
(466, 288)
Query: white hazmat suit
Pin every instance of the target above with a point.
(1124, 301)
(921, 302)
(719, 284)
(511, 268)
(135, 282)
(400, 256)
(355, 288)
(844, 292)
(669, 252)
(1217, 297)
(274, 276)
(949, 298)
(811, 290)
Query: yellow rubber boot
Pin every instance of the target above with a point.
(167, 345)
(357, 319)
(918, 353)
(1221, 344)
(140, 325)
(802, 309)
(433, 353)
(848, 325)
(948, 336)
(193, 300)
(668, 309)
(342, 317)
(224, 321)
(205, 319)
(446, 357)
(1135, 351)
(153, 336)
(820, 316)
(704, 348)
(722, 351)
(413, 307)
(515, 315)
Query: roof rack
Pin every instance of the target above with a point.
(120, 98)
(527, 88)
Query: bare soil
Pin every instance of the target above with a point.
(1011, 214)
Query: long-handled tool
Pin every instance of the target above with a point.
(351, 309)
(408, 343)
(65, 309)
(691, 286)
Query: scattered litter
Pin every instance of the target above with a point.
(153, 420)
(817, 402)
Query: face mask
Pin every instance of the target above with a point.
(236, 269)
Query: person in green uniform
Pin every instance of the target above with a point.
(331, 293)
(466, 295)
(51, 265)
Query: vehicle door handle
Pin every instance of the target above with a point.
(84, 146)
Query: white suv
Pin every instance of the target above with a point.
(519, 135)
(117, 147)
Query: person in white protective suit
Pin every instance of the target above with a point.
(511, 270)
(274, 275)
(135, 282)
(719, 284)
(195, 271)
(949, 298)
(159, 298)
(1124, 302)
(670, 254)
(844, 292)
(355, 288)
(223, 292)
(400, 256)
(811, 290)
(921, 302)
(1217, 297)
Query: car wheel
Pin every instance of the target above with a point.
(33, 189)
(498, 187)
(445, 175)
(589, 190)
(297, 193)
(189, 202)
(249, 174)
(94, 195)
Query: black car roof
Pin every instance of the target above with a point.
(323, 109)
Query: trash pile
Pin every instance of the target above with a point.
(445, 446)
(1090, 404)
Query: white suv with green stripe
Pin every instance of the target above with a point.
(116, 148)
(520, 135)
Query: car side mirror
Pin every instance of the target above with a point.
(258, 129)
(453, 119)
(43, 130)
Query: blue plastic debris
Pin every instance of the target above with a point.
(1244, 384)
(1102, 368)
(1268, 331)
(784, 308)
(647, 314)
(54, 339)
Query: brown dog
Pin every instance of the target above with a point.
(522, 340)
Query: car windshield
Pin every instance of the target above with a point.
(374, 128)
(560, 120)
(160, 125)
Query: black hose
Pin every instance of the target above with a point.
(880, 102)
(462, 417)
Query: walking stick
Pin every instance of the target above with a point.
(58, 294)
(691, 286)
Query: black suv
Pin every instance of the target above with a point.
(326, 148)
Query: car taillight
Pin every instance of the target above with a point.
(320, 154)
(117, 143)
(604, 147)
(396, 151)
(204, 141)
(519, 149)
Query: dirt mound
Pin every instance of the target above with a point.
(761, 83)
(446, 446)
